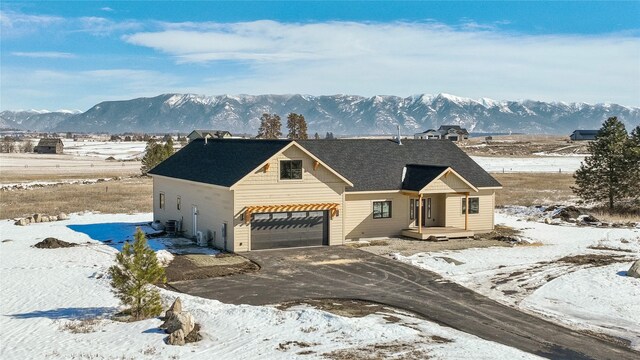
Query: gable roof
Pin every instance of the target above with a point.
(418, 176)
(586, 132)
(211, 133)
(218, 162)
(50, 142)
(374, 165)
(445, 129)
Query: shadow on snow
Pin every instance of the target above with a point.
(71, 313)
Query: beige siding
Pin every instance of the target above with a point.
(266, 188)
(483, 221)
(359, 221)
(214, 204)
(447, 184)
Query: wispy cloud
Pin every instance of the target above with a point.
(405, 58)
(107, 9)
(13, 24)
(44, 54)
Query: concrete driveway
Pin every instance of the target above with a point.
(346, 273)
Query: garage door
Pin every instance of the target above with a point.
(289, 229)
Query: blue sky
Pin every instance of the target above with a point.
(72, 55)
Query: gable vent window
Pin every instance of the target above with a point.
(291, 170)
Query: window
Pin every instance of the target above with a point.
(178, 203)
(291, 170)
(428, 208)
(381, 209)
(412, 209)
(474, 205)
(161, 200)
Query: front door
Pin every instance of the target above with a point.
(426, 211)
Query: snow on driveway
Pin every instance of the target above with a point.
(575, 275)
(547, 164)
(46, 293)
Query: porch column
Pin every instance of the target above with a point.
(466, 211)
(420, 214)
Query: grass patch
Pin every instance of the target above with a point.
(528, 189)
(129, 195)
(83, 326)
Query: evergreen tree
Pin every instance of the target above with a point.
(133, 276)
(603, 177)
(316, 136)
(269, 126)
(168, 148)
(633, 157)
(153, 153)
(297, 127)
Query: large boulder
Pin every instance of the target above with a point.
(176, 308)
(37, 218)
(21, 222)
(62, 216)
(567, 213)
(176, 338)
(183, 321)
(44, 218)
(634, 271)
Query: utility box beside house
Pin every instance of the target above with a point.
(49, 146)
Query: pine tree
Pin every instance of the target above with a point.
(316, 136)
(269, 126)
(152, 155)
(133, 276)
(633, 157)
(168, 148)
(603, 176)
(297, 127)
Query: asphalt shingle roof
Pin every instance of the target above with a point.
(377, 164)
(218, 161)
(418, 176)
(369, 164)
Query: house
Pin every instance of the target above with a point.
(212, 134)
(449, 132)
(578, 135)
(49, 146)
(260, 194)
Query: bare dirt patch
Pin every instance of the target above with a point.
(593, 260)
(523, 145)
(391, 350)
(408, 247)
(195, 266)
(53, 243)
(335, 262)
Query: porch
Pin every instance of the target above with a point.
(440, 232)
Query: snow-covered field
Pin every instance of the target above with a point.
(51, 298)
(103, 149)
(547, 164)
(574, 275)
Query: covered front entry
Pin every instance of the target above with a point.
(286, 226)
(289, 229)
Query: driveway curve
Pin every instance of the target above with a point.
(346, 273)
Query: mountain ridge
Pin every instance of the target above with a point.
(341, 114)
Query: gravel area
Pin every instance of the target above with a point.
(408, 247)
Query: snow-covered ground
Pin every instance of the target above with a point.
(566, 163)
(55, 304)
(571, 274)
(125, 150)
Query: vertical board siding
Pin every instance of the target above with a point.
(265, 188)
(215, 207)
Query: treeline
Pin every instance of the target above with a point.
(271, 125)
(16, 145)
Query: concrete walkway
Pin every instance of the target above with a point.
(346, 273)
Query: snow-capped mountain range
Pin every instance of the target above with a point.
(340, 114)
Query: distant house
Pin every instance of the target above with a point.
(579, 135)
(212, 134)
(49, 146)
(449, 132)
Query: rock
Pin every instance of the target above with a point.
(21, 222)
(547, 220)
(53, 243)
(62, 216)
(566, 213)
(176, 338)
(176, 308)
(37, 218)
(30, 219)
(589, 219)
(53, 218)
(634, 270)
(183, 321)
(194, 335)
(44, 218)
